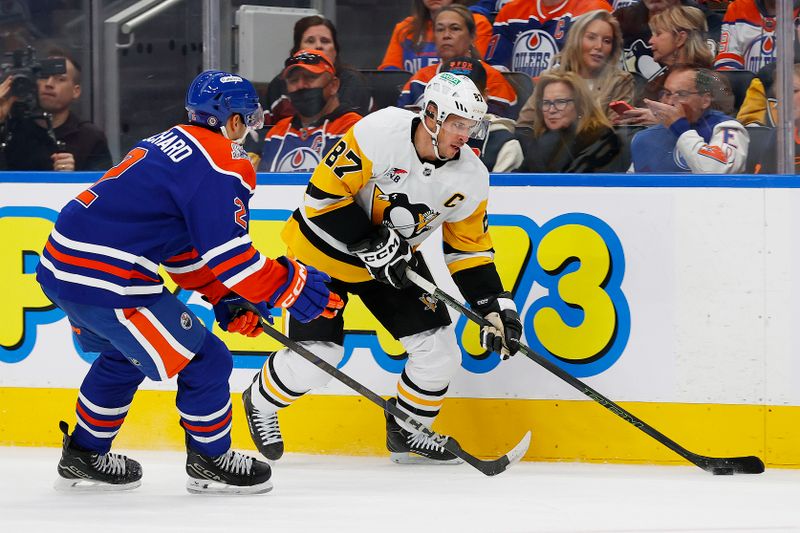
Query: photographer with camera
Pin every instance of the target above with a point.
(37, 129)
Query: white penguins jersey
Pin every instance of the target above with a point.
(376, 168)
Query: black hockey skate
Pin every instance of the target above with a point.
(414, 448)
(85, 470)
(229, 473)
(264, 428)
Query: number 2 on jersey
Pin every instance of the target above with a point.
(87, 197)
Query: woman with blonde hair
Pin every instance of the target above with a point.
(678, 38)
(570, 132)
(593, 51)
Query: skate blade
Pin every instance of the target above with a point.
(407, 458)
(63, 484)
(207, 486)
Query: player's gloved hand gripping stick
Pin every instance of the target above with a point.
(304, 292)
(386, 256)
(715, 465)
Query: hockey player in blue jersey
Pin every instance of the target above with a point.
(178, 199)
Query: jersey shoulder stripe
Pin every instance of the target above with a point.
(223, 155)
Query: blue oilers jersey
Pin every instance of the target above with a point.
(290, 147)
(178, 199)
(528, 35)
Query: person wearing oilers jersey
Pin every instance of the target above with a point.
(747, 41)
(529, 33)
(388, 184)
(298, 143)
(178, 199)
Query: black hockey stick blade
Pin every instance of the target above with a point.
(715, 465)
(488, 467)
(496, 466)
(721, 466)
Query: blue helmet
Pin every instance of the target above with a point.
(215, 95)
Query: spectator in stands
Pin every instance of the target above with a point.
(570, 132)
(678, 38)
(67, 143)
(592, 51)
(636, 33)
(529, 33)
(760, 106)
(692, 134)
(318, 33)
(299, 143)
(454, 35)
(760, 102)
(747, 41)
(766, 160)
(412, 47)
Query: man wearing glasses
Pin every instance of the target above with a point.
(385, 187)
(298, 143)
(693, 135)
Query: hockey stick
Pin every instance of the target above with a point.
(715, 465)
(490, 468)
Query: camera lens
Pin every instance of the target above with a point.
(22, 86)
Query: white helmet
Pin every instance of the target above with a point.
(454, 94)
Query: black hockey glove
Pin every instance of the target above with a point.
(386, 256)
(506, 329)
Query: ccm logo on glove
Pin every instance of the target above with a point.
(382, 256)
(289, 297)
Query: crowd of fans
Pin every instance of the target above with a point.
(629, 85)
(572, 85)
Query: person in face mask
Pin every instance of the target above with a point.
(299, 142)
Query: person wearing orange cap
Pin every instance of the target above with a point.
(299, 142)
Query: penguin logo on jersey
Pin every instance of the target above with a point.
(398, 212)
(302, 159)
(429, 301)
(639, 58)
(533, 51)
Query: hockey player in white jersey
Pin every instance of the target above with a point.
(390, 181)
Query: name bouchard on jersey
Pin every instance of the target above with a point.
(172, 145)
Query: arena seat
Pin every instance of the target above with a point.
(523, 85)
(761, 153)
(385, 86)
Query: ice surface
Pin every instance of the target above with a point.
(315, 493)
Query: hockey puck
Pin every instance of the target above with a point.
(722, 471)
